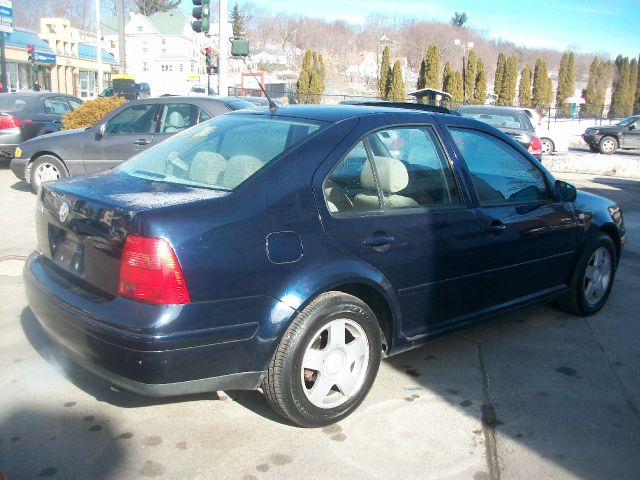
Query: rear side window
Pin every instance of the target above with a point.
(500, 174)
(13, 103)
(56, 105)
(221, 153)
(397, 168)
(176, 117)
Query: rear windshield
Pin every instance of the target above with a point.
(221, 153)
(499, 119)
(13, 103)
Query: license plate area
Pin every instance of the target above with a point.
(67, 249)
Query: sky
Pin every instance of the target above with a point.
(605, 26)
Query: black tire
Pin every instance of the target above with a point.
(576, 300)
(548, 147)
(46, 168)
(593, 149)
(608, 145)
(289, 388)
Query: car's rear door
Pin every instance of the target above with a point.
(393, 200)
(529, 238)
(129, 131)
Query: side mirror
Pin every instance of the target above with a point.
(101, 131)
(564, 192)
(632, 126)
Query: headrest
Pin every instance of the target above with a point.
(392, 175)
(176, 120)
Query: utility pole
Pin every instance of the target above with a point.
(99, 47)
(223, 51)
(121, 49)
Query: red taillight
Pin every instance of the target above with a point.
(535, 147)
(149, 271)
(9, 121)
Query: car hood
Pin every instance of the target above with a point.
(26, 146)
(606, 128)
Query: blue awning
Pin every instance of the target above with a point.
(21, 38)
(89, 51)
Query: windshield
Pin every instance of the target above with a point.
(221, 153)
(628, 121)
(13, 103)
(499, 118)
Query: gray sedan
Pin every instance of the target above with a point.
(126, 131)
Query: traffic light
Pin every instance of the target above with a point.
(201, 14)
(31, 53)
(207, 57)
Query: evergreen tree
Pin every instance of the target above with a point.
(593, 94)
(396, 92)
(422, 76)
(470, 76)
(480, 87)
(509, 81)
(636, 106)
(524, 87)
(621, 89)
(548, 93)
(566, 84)
(432, 67)
(237, 22)
(446, 75)
(385, 68)
(538, 91)
(633, 86)
(310, 85)
(456, 88)
(501, 68)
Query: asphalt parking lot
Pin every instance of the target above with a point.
(533, 395)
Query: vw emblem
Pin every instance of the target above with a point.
(64, 211)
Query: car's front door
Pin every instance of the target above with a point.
(120, 137)
(393, 201)
(530, 238)
(630, 138)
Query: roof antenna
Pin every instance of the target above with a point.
(272, 105)
(240, 48)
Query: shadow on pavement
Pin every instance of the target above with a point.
(21, 186)
(53, 444)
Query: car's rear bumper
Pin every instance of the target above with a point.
(100, 335)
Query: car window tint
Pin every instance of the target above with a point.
(56, 105)
(136, 119)
(222, 153)
(177, 116)
(350, 187)
(499, 118)
(421, 176)
(500, 173)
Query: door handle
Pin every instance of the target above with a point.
(496, 227)
(379, 241)
(142, 141)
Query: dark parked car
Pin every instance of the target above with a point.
(128, 130)
(608, 138)
(293, 249)
(513, 121)
(26, 115)
(143, 90)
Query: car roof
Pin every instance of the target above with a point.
(31, 94)
(331, 113)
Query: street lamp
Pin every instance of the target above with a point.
(465, 46)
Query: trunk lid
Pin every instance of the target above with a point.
(83, 223)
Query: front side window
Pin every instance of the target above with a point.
(136, 119)
(500, 173)
(221, 153)
(400, 167)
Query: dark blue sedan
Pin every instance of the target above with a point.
(292, 249)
